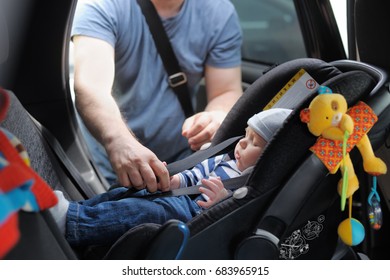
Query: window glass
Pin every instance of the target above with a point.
(339, 8)
(271, 30)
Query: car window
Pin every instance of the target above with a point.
(339, 8)
(271, 31)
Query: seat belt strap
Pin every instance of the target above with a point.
(177, 79)
(229, 184)
(64, 159)
(191, 161)
(199, 156)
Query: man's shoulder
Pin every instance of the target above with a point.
(214, 3)
(219, 6)
(216, 11)
(106, 6)
(92, 17)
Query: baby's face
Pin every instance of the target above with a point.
(249, 149)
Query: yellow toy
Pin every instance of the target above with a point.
(339, 130)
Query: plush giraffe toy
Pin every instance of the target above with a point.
(339, 130)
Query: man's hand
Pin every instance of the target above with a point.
(200, 128)
(215, 191)
(137, 166)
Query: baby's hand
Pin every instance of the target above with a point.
(215, 191)
(174, 182)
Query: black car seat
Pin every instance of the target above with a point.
(291, 209)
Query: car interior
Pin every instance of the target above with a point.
(286, 208)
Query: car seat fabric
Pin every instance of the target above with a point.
(39, 235)
(43, 161)
(233, 220)
(19, 123)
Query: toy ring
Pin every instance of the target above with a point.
(375, 213)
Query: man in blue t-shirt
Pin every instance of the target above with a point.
(122, 90)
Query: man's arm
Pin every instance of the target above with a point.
(223, 86)
(134, 164)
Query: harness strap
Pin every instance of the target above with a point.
(229, 184)
(189, 162)
(199, 156)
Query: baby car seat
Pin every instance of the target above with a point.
(290, 208)
(289, 191)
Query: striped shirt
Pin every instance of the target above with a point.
(222, 166)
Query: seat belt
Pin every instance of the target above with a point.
(63, 158)
(191, 161)
(197, 157)
(229, 184)
(177, 79)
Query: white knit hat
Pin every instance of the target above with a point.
(267, 122)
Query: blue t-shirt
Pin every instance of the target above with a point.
(203, 32)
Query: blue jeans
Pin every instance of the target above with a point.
(102, 219)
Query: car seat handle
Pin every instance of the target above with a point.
(261, 246)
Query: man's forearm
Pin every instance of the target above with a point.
(223, 102)
(102, 118)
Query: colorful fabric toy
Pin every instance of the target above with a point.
(341, 129)
(20, 187)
